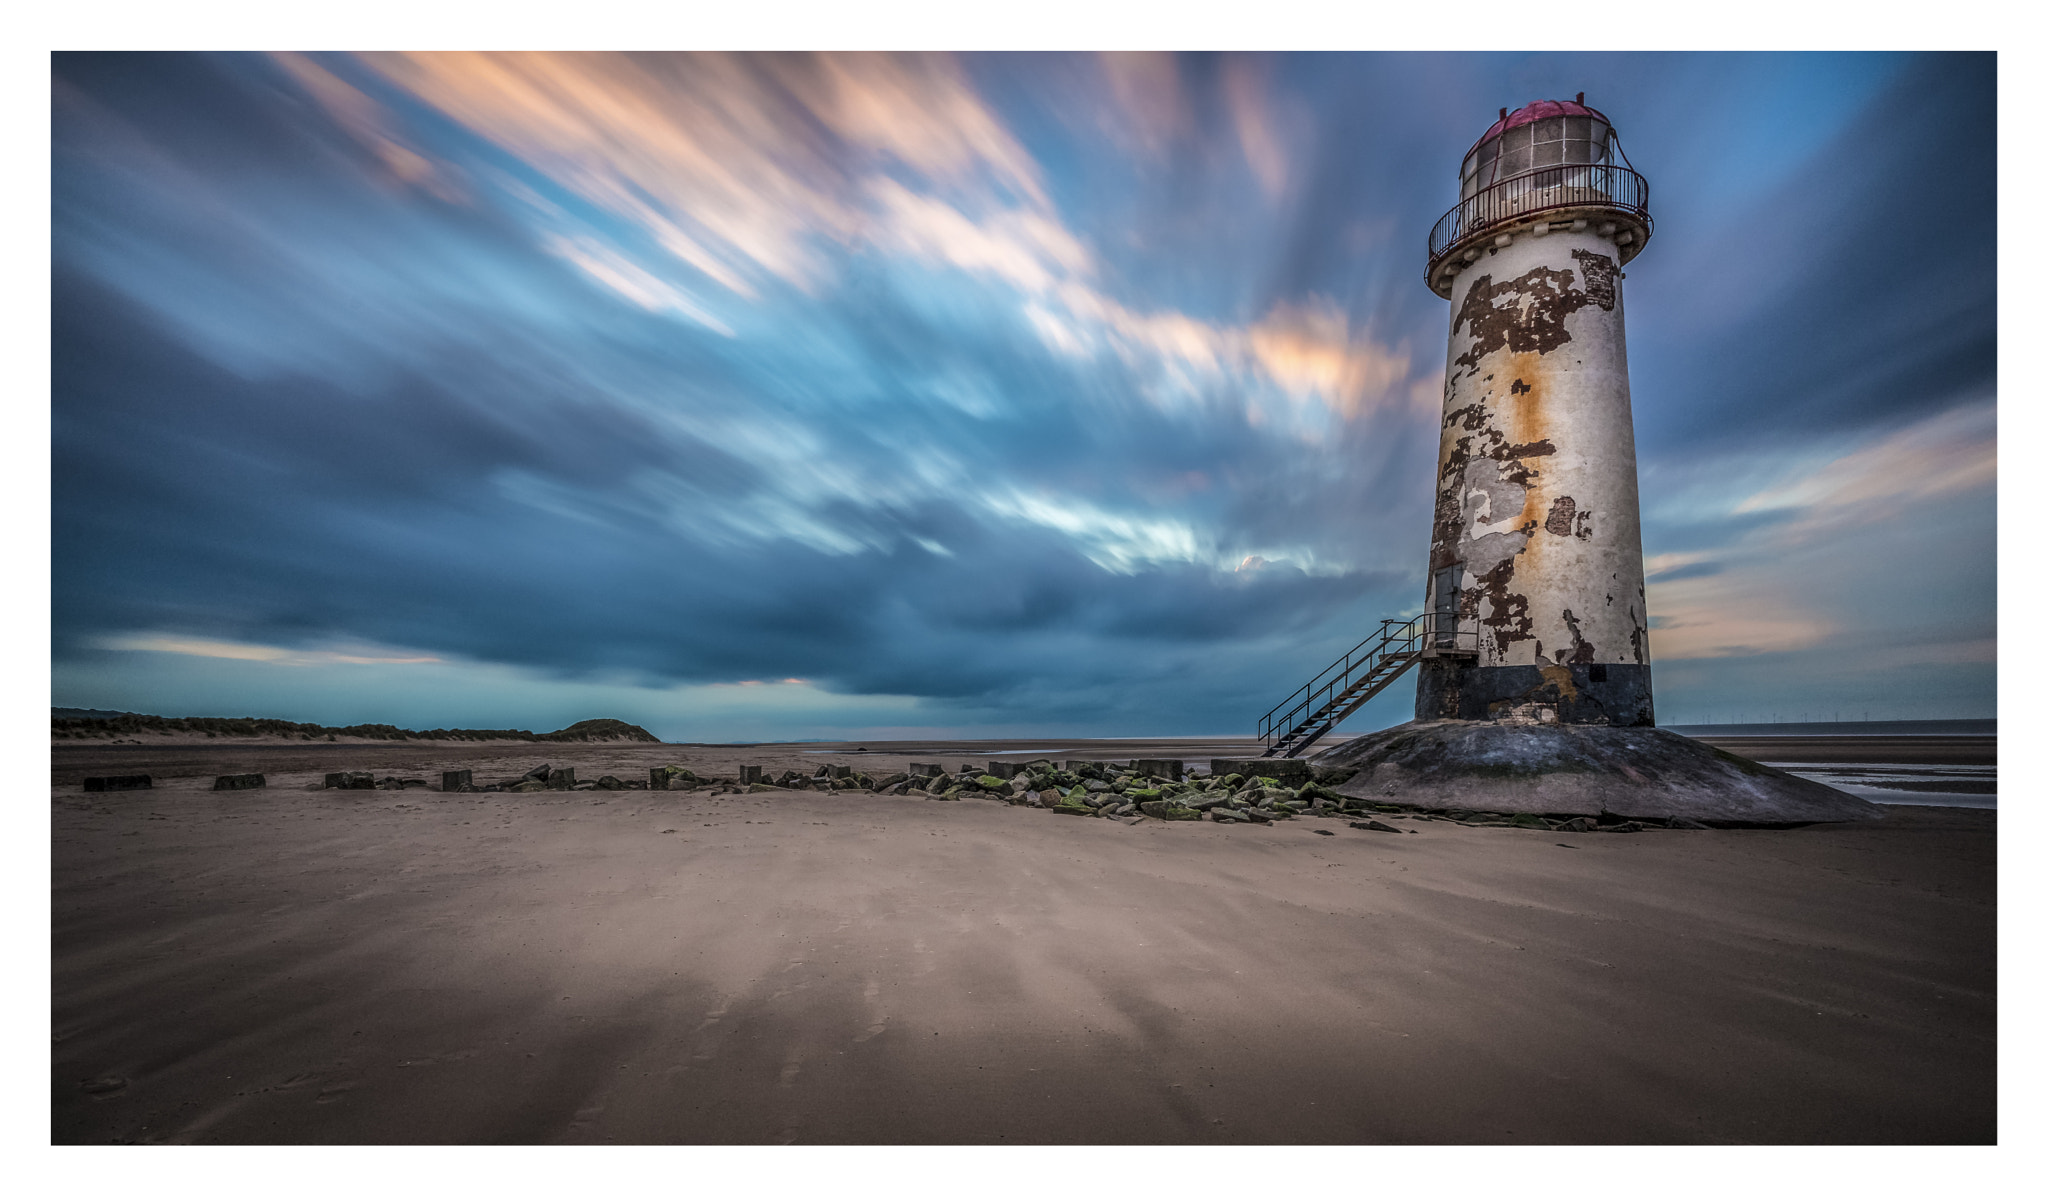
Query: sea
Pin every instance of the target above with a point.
(1969, 785)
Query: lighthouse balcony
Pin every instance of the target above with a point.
(1612, 200)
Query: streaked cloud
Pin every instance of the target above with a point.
(265, 653)
(1045, 393)
(1735, 601)
(1258, 133)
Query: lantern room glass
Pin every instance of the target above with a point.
(1552, 141)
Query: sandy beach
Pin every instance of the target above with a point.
(294, 965)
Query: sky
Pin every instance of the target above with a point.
(784, 397)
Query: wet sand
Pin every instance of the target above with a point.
(284, 965)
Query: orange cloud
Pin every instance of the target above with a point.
(1245, 92)
(718, 157)
(1747, 608)
(1148, 99)
(365, 120)
(264, 653)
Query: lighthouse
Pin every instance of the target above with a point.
(1535, 579)
(1532, 650)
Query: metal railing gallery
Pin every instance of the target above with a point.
(1540, 190)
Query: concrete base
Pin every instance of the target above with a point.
(1629, 772)
(1615, 695)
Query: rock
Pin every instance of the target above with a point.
(1220, 814)
(1293, 771)
(608, 781)
(562, 778)
(1685, 824)
(762, 787)
(1002, 769)
(990, 784)
(892, 780)
(1579, 825)
(1095, 786)
(239, 780)
(925, 770)
(1622, 828)
(1528, 822)
(1063, 808)
(1321, 831)
(467, 788)
(1374, 824)
(1168, 769)
(1207, 800)
(750, 774)
(529, 787)
(391, 783)
(537, 773)
(453, 781)
(1269, 814)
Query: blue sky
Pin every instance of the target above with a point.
(788, 397)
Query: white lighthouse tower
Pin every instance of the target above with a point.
(1535, 559)
(1532, 695)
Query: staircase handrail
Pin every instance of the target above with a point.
(1401, 637)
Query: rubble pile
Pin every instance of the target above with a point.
(1128, 792)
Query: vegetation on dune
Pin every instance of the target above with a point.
(125, 725)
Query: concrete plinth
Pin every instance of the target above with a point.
(1629, 772)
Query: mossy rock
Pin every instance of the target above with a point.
(1528, 822)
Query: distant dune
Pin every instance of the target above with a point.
(103, 726)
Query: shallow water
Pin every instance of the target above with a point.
(1969, 785)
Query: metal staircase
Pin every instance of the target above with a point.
(1358, 677)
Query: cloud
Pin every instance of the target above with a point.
(1257, 134)
(265, 653)
(1742, 599)
(614, 270)
(1148, 107)
(364, 119)
(1953, 452)
(738, 166)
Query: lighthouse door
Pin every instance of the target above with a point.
(1444, 633)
